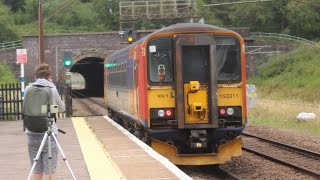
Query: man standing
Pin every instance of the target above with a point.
(41, 91)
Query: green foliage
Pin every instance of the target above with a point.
(7, 34)
(6, 22)
(6, 74)
(29, 15)
(209, 15)
(76, 17)
(109, 21)
(304, 20)
(291, 76)
(257, 16)
(277, 16)
(280, 13)
(15, 5)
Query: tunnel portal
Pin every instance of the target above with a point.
(92, 70)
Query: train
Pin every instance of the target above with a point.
(181, 90)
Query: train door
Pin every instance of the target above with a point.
(196, 81)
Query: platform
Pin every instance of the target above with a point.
(14, 159)
(96, 148)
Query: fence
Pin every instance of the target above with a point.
(283, 36)
(10, 45)
(11, 101)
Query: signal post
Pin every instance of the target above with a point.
(67, 63)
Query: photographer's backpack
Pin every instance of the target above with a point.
(36, 96)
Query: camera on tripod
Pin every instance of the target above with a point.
(52, 109)
(49, 110)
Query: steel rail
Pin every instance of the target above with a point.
(267, 156)
(76, 92)
(94, 101)
(88, 108)
(230, 173)
(306, 152)
(88, 99)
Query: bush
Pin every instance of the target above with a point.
(6, 74)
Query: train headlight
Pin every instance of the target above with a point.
(161, 113)
(230, 111)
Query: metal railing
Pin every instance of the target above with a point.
(10, 45)
(283, 37)
(10, 101)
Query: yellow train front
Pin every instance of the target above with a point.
(182, 90)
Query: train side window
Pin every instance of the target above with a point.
(160, 61)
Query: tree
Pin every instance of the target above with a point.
(255, 15)
(210, 15)
(280, 13)
(15, 5)
(110, 21)
(304, 20)
(77, 16)
(6, 21)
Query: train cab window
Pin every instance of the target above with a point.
(229, 61)
(160, 63)
(195, 69)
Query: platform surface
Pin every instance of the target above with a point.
(14, 159)
(135, 159)
(96, 148)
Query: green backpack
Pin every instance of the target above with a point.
(36, 96)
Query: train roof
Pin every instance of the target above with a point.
(191, 27)
(176, 28)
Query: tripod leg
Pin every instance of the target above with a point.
(38, 155)
(63, 156)
(49, 153)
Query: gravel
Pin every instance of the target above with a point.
(251, 166)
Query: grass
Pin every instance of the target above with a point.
(293, 76)
(291, 84)
(282, 115)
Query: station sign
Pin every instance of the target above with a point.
(22, 56)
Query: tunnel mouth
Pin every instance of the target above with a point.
(87, 78)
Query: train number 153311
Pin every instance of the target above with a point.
(229, 95)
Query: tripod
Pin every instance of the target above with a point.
(47, 136)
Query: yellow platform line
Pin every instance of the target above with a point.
(99, 163)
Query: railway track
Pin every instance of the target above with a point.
(300, 159)
(87, 106)
(212, 172)
(229, 174)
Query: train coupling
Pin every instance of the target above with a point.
(198, 139)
